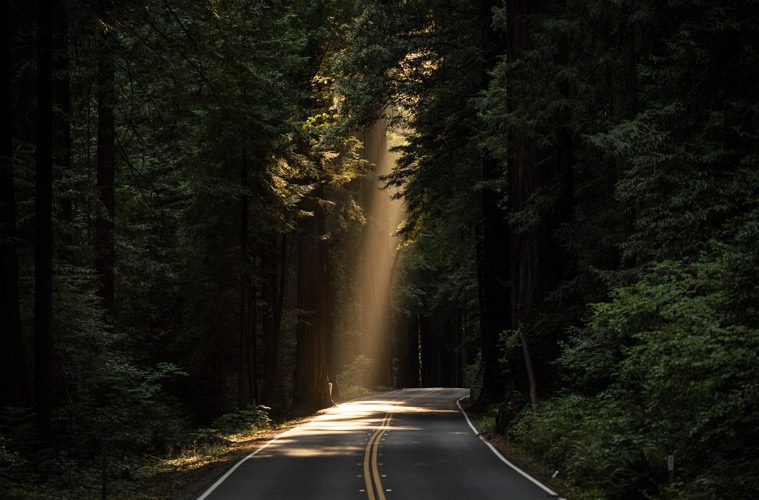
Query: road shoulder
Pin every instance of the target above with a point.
(512, 456)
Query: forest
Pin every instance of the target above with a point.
(240, 211)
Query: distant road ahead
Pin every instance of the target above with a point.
(407, 444)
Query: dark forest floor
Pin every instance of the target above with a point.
(192, 471)
(189, 474)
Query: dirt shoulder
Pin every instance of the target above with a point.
(193, 470)
(190, 472)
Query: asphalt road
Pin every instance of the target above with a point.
(406, 444)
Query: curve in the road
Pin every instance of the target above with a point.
(498, 453)
(405, 444)
(371, 468)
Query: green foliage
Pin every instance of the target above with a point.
(634, 129)
(205, 92)
(235, 423)
(666, 366)
(107, 395)
(419, 64)
(352, 379)
(655, 102)
(597, 442)
(244, 420)
(472, 377)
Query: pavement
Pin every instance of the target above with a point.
(405, 444)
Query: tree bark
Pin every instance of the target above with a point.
(105, 252)
(408, 350)
(43, 222)
(538, 260)
(525, 246)
(493, 237)
(311, 377)
(245, 374)
(426, 352)
(273, 269)
(332, 340)
(252, 339)
(493, 246)
(533, 386)
(14, 388)
(62, 122)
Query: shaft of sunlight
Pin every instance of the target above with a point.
(376, 263)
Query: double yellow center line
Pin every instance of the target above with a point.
(371, 470)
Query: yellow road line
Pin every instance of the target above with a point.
(372, 477)
(375, 469)
(371, 471)
(367, 475)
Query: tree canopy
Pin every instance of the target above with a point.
(195, 228)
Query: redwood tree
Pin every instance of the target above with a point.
(105, 253)
(43, 221)
(13, 380)
(311, 379)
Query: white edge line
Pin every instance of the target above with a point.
(238, 464)
(498, 454)
(254, 453)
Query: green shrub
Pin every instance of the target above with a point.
(241, 421)
(668, 365)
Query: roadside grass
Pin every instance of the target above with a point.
(182, 472)
(188, 471)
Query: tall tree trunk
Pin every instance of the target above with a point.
(493, 238)
(252, 340)
(43, 222)
(454, 350)
(273, 269)
(538, 260)
(332, 340)
(311, 389)
(426, 352)
(493, 245)
(408, 350)
(524, 253)
(14, 388)
(531, 379)
(62, 121)
(105, 253)
(244, 384)
(420, 348)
